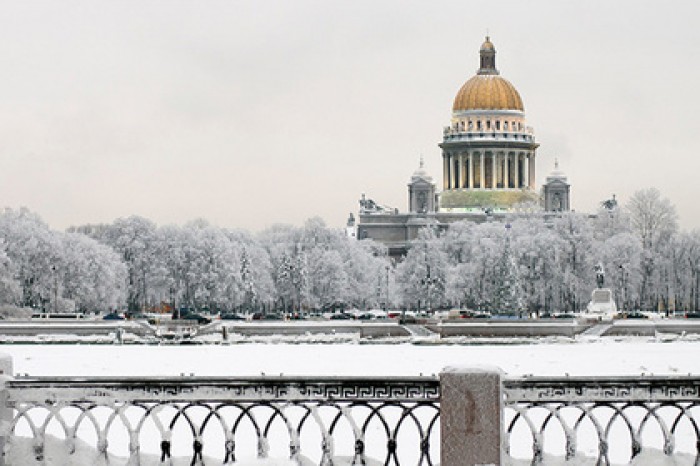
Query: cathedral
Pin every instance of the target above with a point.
(489, 160)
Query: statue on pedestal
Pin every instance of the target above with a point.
(599, 275)
(602, 303)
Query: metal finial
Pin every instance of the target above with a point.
(421, 161)
(556, 163)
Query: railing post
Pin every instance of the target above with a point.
(6, 373)
(471, 416)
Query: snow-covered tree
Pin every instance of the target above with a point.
(655, 221)
(10, 290)
(35, 253)
(92, 275)
(133, 238)
(576, 260)
(508, 295)
(621, 257)
(423, 273)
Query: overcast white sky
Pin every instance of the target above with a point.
(249, 113)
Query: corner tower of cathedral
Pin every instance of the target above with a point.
(488, 151)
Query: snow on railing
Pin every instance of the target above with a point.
(464, 416)
(230, 419)
(611, 419)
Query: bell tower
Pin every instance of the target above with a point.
(556, 191)
(421, 191)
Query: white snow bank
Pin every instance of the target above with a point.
(648, 457)
(21, 453)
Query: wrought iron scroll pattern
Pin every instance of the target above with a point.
(395, 422)
(612, 420)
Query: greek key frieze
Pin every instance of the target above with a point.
(53, 392)
(630, 390)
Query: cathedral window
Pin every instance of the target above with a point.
(478, 125)
(498, 125)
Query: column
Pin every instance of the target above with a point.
(462, 171)
(481, 171)
(471, 416)
(455, 167)
(452, 172)
(493, 170)
(506, 181)
(516, 175)
(471, 170)
(531, 164)
(501, 179)
(445, 171)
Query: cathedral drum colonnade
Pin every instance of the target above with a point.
(488, 151)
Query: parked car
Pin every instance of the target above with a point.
(378, 313)
(340, 316)
(198, 317)
(58, 315)
(268, 316)
(506, 316)
(692, 315)
(631, 315)
(232, 316)
(113, 316)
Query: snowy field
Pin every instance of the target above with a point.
(600, 357)
(605, 356)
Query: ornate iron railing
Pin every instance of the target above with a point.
(611, 419)
(394, 420)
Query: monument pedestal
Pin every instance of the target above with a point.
(602, 303)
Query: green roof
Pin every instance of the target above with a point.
(487, 198)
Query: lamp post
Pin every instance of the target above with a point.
(55, 289)
(386, 301)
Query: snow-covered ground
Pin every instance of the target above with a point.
(599, 357)
(604, 356)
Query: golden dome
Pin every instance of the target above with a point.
(487, 92)
(487, 45)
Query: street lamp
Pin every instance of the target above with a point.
(623, 286)
(386, 301)
(55, 289)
